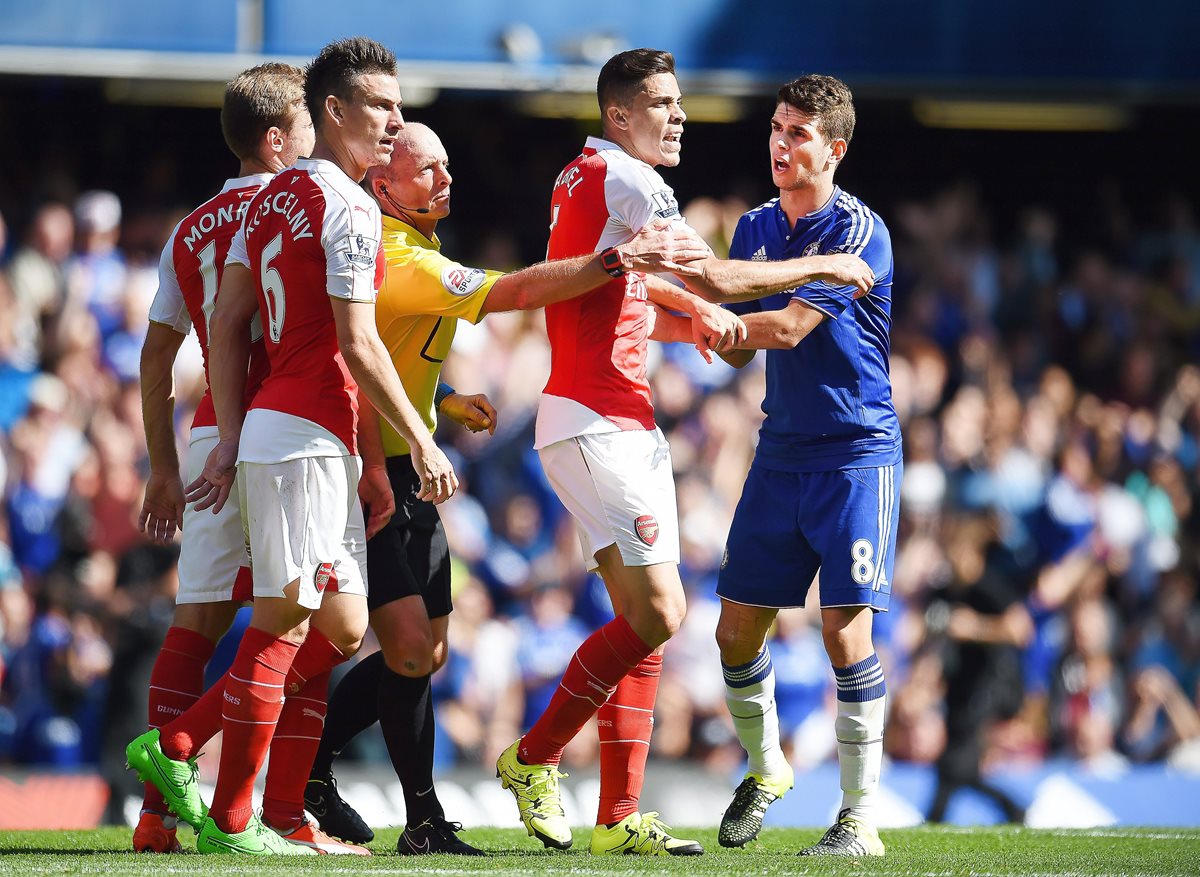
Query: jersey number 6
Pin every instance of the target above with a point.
(272, 285)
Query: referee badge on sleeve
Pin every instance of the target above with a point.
(462, 281)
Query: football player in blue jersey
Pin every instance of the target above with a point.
(822, 491)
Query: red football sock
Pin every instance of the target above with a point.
(298, 733)
(253, 699)
(175, 685)
(625, 723)
(183, 736)
(595, 669)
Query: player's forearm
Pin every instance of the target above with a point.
(369, 365)
(673, 298)
(228, 360)
(737, 358)
(545, 283)
(158, 399)
(731, 280)
(370, 443)
(777, 330)
(669, 327)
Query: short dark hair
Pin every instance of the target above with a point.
(338, 66)
(826, 99)
(623, 74)
(267, 96)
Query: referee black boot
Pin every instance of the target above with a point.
(334, 815)
(435, 835)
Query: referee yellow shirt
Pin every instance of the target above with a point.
(423, 297)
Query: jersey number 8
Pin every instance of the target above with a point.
(862, 565)
(272, 285)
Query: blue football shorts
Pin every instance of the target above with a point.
(788, 525)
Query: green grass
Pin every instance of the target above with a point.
(935, 852)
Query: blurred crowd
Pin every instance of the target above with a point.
(1044, 599)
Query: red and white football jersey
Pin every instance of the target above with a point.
(189, 275)
(598, 340)
(309, 235)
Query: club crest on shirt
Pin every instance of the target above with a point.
(665, 205)
(462, 281)
(322, 576)
(647, 528)
(360, 250)
(812, 249)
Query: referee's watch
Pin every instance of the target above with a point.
(610, 260)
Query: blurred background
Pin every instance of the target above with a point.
(1035, 164)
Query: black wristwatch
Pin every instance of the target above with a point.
(610, 260)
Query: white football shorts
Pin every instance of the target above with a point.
(214, 546)
(620, 488)
(304, 521)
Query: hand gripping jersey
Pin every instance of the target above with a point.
(309, 235)
(598, 340)
(829, 399)
(189, 275)
(424, 295)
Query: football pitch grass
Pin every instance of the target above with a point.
(930, 851)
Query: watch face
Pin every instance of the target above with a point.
(611, 262)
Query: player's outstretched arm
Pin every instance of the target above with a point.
(772, 330)
(729, 280)
(162, 509)
(369, 364)
(657, 247)
(228, 359)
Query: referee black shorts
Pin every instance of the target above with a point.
(409, 555)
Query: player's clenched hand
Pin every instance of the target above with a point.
(212, 488)
(375, 491)
(844, 269)
(162, 509)
(476, 412)
(714, 328)
(664, 246)
(438, 481)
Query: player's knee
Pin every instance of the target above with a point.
(664, 622)
(847, 641)
(734, 650)
(413, 656)
(349, 643)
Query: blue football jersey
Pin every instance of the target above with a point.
(829, 399)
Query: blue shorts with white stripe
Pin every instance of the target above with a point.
(790, 524)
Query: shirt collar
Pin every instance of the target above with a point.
(399, 227)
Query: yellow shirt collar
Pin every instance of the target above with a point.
(400, 227)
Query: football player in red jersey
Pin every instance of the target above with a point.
(266, 125)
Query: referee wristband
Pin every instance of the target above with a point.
(439, 395)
